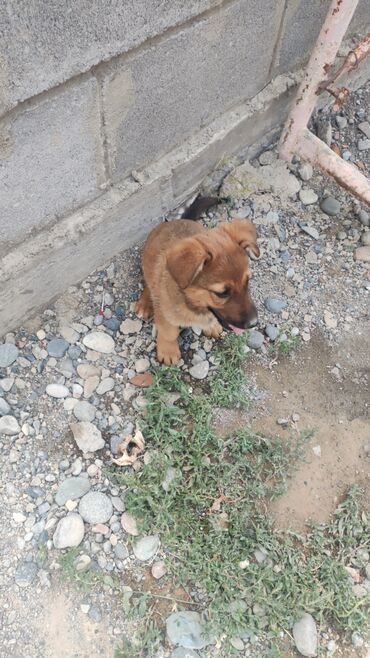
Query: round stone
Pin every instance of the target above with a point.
(305, 636)
(129, 524)
(275, 305)
(146, 547)
(25, 574)
(57, 347)
(305, 171)
(141, 365)
(69, 531)
(364, 217)
(330, 206)
(99, 342)
(272, 331)
(9, 426)
(255, 340)
(8, 354)
(185, 628)
(105, 385)
(308, 197)
(365, 238)
(200, 370)
(84, 411)
(72, 489)
(87, 436)
(57, 391)
(95, 507)
(4, 407)
(130, 326)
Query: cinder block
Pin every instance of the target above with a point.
(301, 27)
(50, 161)
(163, 94)
(45, 43)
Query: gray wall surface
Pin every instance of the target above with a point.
(92, 90)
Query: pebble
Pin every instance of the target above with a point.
(25, 574)
(365, 238)
(4, 407)
(267, 158)
(308, 196)
(364, 217)
(9, 426)
(185, 628)
(364, 126)
(129, 326)
(99, 342)
(105, 385)
(363, 144)
(141, 365)
(129, 524)
(69, 531)
(6, 384)
(237, 643)
(87, 436)
(95, 507)
(86, 370)
(72, 489)
(272, 331)
(180, 652)
(357, 640)
(255, 340)
(158, 569)
(82, 562)
(275, 305)
(310, 230)
(8, 354)
(84, 411)
(305, 636)
(146, 547)
(305, 171)
(121, 552)
(200, 370)
(341, 121)
(363, 254)
(330, 206)
(57, 391)
(57, 347)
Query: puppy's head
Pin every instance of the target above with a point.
(213, 271)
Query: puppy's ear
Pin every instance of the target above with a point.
(244, 233)
(186, 259)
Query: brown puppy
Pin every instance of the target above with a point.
(197, 277)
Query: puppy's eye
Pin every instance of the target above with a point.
(222, 295)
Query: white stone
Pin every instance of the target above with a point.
(87, 436)
(69, 531)
(57, 391)
(9, 426)
(142, 365)
(129, 326)
(99, 342)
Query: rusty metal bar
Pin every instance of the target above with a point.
(296, 138)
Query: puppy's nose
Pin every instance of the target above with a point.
(252, 322)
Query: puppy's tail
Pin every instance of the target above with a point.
(200, 205)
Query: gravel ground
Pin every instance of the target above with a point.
(69, 394)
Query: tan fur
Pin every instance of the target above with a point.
(184, 266)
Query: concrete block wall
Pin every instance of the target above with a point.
(100, 99)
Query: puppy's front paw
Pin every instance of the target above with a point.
(213, 331)
(168, 353)
(144, 306)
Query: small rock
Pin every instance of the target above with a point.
(121, 552)
(72, 489)
(95, 614)
(129, 524)
(237, 643)
(267, 158)
(330, 320)
(275, 305)
(105, 385)
(141, 365)
(357, 640)
(84, 411)
(310, 230)
(363, 144)
(185, 628)
(69, 531)
(8, 354)
(6, 384)
(200, 370)
(341, 121)
(317, 451)
(99, 342)
(82, 563)
(57, 391)
(255, 340)
(57, 347)
(272, 217)
(9, 426)
(305, 171)
(86, 370)
(95, 507)
(146, 547)
(365, 238)
(363, 254)
(272, 331)
(305, 636)
(180, 652)
(158, 569)
(307, 196)
(69, 334)
(25, 574)
(364, 217)
(87, 436)
(330, 206)
(4, 407)
(129, 326)
(90, 385)
(365, 128)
